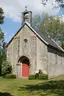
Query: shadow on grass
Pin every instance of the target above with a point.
(55, 87)
(5, 94)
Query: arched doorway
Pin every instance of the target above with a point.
(25, 66)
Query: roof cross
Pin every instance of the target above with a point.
(25, 8)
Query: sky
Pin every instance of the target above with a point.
(14, 8)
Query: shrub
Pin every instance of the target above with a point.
(31, 77)
(6, 68)
(41, 77)
(10, 76)
(3, 69)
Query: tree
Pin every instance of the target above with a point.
(2, 51)
(52, 27)
(59, 3)
(1, 16)
(1, 48)
(1, 22)
(36, 21)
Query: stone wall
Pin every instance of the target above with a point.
(55, 63)
(10, 57)
(42, 56)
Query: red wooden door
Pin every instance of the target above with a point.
(25, 70)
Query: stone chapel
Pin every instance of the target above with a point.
(29, 50)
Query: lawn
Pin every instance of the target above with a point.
(24, 87)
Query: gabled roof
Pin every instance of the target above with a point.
(50, 41)
(45, 39)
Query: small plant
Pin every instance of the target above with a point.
(10, 76)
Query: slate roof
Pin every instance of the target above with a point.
(48, 41)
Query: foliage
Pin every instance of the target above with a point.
(1, 35)
(6, 68)
(10, 76)
(3, 67)
(31, 77)
(1, 22)
(36, 21)
(41, 77)
(2, 58)
(1, 16)
(51, 26)
(59, 3)
(2, 48)
(62, 45)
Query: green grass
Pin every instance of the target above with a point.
(58, 78)
(24, 87)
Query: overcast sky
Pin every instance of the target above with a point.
(12, 11)
(13, 8)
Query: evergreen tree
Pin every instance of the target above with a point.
(2, 53)
(1, 16)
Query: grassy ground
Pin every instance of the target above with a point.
(24, 87)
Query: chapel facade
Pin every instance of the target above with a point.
(29, 51)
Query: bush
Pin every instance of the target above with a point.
(31, 77)
(41, 77)
(6, 68)
(10, 76)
